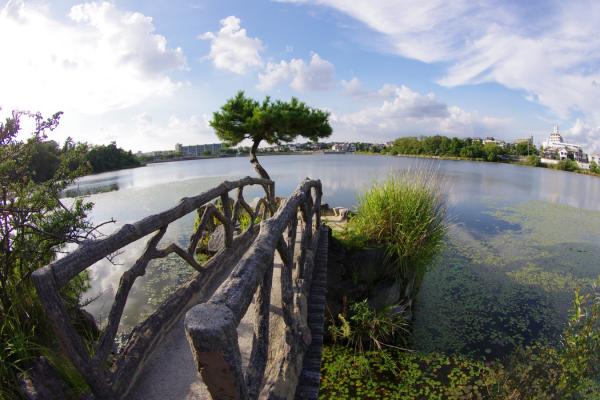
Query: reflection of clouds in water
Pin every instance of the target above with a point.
(469, 187)
(167, 173)
(105, 276)
(569, 188)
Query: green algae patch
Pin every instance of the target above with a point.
(493, 292)
(402, 375)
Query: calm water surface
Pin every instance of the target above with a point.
(521, 239)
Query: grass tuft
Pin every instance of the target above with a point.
(406, 213)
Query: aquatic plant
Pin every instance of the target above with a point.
(570, 370)
(393, 374)
(367, 329)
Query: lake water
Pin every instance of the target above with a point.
(521, 239)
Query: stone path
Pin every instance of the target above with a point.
(171, 373)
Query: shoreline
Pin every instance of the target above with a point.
(452, 158)
(363, 153)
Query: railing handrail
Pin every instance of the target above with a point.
(243, 282)
(51, 278)
(66, 268)
(211, 327)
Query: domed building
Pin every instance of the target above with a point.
(555, 148)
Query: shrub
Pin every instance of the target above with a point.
(534, 161)
(34, 226)
(567, 165)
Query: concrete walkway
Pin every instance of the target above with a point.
(171, 373)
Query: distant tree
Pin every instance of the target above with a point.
(534, 161)
(594, 168)
(243, 118)
(110, 158)
(567, 165)
(525, 149)
(493, 151)
(45, 160)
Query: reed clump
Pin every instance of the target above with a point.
(406, 214)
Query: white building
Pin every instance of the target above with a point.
(201, 149)
(557, 149)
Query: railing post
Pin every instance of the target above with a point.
(260, 340)
(211, 331)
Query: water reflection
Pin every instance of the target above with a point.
(475, 191)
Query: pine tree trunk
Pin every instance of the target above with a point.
(254, 161)
(260, 170)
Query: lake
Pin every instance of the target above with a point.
(521, 240)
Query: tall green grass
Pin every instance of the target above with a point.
(405, 213)
(25, 335)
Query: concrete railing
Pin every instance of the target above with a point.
(280, 339)
(111, 375)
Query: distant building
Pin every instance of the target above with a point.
(178, 148)
(595, 158)
(157, 153)
(500, 143)
(201, 149)
(555, 148)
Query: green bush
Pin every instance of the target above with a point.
(34, 226)
(567, 165)
(594, 168)
(534, 161)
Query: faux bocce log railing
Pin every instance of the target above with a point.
(211, 327)
(112, 377)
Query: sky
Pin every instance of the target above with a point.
(149, 74)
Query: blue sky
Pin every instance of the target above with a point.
(148, 74)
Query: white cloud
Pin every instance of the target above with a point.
(353, 87)
(406, 112)
(584, 132)
(549, 50)
(231, 49)
(147, 132)
(317, 74)
(100, 59)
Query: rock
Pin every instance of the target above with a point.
(369, 265)
(385, 294)
(355, 275)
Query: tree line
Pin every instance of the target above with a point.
(444, 146)
(47, 154)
